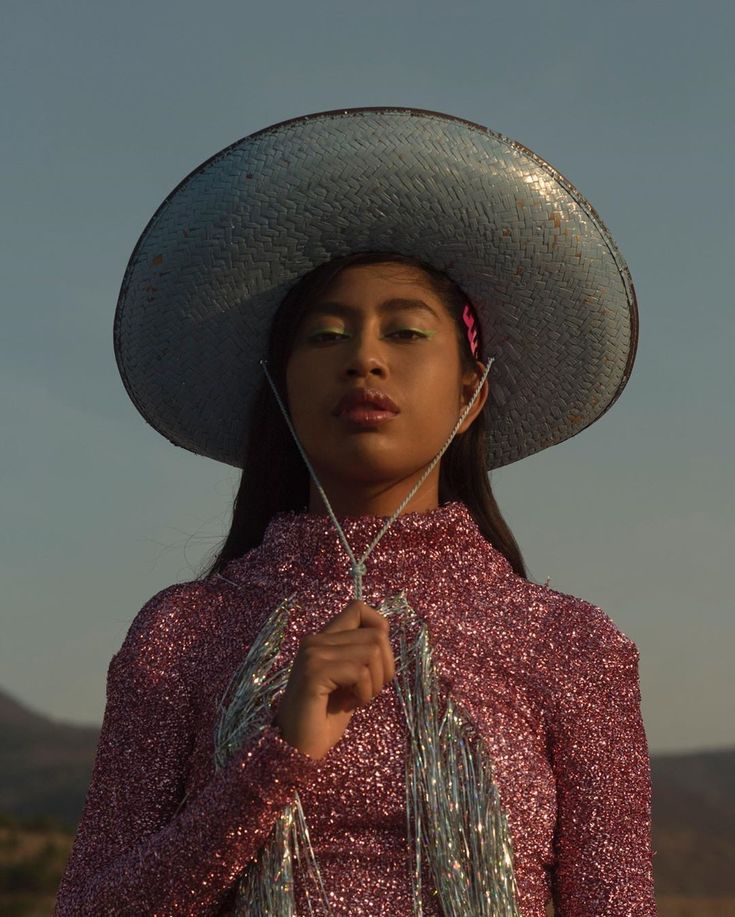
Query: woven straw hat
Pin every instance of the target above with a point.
(555, 301)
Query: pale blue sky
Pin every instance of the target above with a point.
(106, 106)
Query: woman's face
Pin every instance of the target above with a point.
(377, 327)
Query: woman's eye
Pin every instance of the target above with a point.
(411, 333)
(319, 337)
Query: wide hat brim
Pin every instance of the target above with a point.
(555, 301)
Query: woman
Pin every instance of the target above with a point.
(365, 505)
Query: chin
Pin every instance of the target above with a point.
(363, 465)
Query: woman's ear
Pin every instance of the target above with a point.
(470, 381)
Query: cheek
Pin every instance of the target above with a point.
(303, 392)
(294, 393)
(441, 413)
(438, 400)
(300, 378)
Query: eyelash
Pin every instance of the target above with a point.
(317, 334)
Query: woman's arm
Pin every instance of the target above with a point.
(604, 865)
(133, 852)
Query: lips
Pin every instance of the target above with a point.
(366, 398)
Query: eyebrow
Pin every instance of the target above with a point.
(390, 305)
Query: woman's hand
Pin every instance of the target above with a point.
(343, 666)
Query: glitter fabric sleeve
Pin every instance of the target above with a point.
(134, 853)
(602, 768)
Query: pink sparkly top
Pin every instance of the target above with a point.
(549, 679)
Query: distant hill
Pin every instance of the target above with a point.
(694, 822)
(45, 765)
(45, 768)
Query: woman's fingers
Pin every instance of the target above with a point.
(361, 622)
(324, 654)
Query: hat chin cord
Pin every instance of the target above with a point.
(358, 566)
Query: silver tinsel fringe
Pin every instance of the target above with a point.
(453, 809)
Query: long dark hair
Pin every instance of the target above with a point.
(274, 476)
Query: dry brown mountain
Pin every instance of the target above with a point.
(694, 822)
(45, 765)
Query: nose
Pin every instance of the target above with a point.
(365, 358)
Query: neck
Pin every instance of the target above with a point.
(443, 544)
(347, 499)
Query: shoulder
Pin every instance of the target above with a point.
(562, 627)
(164, 632)
(578, 644)
(582, 625)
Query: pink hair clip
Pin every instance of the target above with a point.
(470, 319)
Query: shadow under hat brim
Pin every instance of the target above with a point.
(553, 294)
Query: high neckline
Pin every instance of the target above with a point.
(310, 542)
